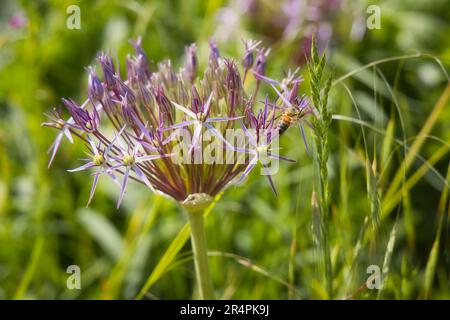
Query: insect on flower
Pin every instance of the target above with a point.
(145, 108)
(294, 107)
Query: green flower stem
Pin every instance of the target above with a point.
(196, 221)
(195, 205)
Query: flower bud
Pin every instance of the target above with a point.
(140, 54)
(95, 87)
(294, 93)
(191, 64)
(196, 101)
(167, 74)
(164, 105)
(128, 113)
(86, 121)
(247, 60)
(233, 85)
(260, 65)
(214, 54)
(108, 70)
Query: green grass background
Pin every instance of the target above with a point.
(389, 162)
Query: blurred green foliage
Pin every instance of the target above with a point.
(45, 227)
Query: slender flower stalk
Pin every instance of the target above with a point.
(170, 129)
(195, 206)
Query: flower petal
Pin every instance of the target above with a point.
(304, 139)
(228, 145)
(83, 167)
(197, 134)
(67, 134)
(170, 137)
(116, 136)
(54, 148)
(272, 185)
(247, 170)
(124, 186)
(249, 135)
(153, 157)
(219, 119)
(278, 157)
(265, 79)
(185, 110)
(93, 146)
(207, 105)
(94, 186)
(146, 145)
(180, 125)
(282, 96)
(142, 176)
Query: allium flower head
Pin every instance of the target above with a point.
(171, 129)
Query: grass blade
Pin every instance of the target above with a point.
(417, 144)
(387, 259)
(102, 230)
(430, 269)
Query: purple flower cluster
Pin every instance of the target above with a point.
(131, 125)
